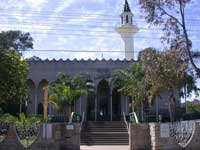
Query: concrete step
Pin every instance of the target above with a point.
(104, 133)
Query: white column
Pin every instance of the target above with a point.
(35, 99)
(128, 46)
(80, 103)
(95, 108)
(126, 105)
(111, 105)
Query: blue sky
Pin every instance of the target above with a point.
(66, 24)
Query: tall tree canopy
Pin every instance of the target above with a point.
(13, 77)
(171, 15)
(131, 82)
(155, 72)
(15, 40)
(166, 71)
(67, 89)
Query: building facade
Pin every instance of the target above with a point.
(107, 100)
(108, 103)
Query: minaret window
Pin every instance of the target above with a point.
(126, 18)
(131, 20)
(122, 20)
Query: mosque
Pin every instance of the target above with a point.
(107, 101)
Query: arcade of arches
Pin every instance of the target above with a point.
(106, 104)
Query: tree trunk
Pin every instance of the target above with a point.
(188, 46)
(132, 105)
(68, 111)
(171, 108)
(45, 103)
(142, 112)
(185, 95)
(157, 108)
(157, 113)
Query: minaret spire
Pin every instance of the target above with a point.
(126, 7)
(127, 30)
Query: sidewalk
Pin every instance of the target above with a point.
(105, 147)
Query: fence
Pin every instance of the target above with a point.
(54, 136)
(165, 136)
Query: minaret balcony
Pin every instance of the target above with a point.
(127, 28)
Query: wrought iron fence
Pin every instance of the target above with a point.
(182, 131)
(3, 130)
(27, 134)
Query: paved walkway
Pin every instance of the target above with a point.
(105, 147)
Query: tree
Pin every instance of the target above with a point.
(67, 89)
(193, 108)
(13, 78)
(15, 40)
(170, 14)
(131, 82)
(166, 71)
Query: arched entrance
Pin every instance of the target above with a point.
(103, 101)
(91, 104)
(116, 104)
(40, 95)
(31, 99)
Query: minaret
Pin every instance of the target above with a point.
(127, 30)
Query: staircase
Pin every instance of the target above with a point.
(104, 133)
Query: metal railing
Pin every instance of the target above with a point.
(82, 120)
(133, 118)
(127, 124)
(71, 118)
(57, 118)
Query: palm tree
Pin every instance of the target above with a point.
(131, 82)
(67, 89)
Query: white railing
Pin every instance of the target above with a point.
(82, 120)
(135, 117)
(127, 125)
(71, 118)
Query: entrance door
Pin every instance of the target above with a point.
(103, 101)
(91, 107)
(116, 104)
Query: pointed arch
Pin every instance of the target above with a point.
(116, 104)
(103, 100)
(127, 19)
(40, 95)
(90, 106)
(31, 96)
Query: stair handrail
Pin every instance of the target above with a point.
(71, 118)
(127, 124)
(135, 117)
(82, 120)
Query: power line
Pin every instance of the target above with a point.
(70, 14)
(97, 20)
(44, 24)
(80, 51)
(94, 35)
(73, 29)
(80, 30)
(57, 22)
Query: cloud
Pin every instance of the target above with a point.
(56, 32)
(23, 4)
(63, 5)
(36, 3)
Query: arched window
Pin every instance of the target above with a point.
(122, 20)
(131, 20)
(126, 18)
